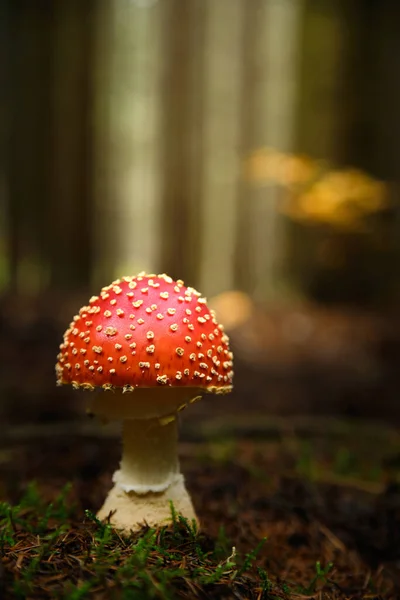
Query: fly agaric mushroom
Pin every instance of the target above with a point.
(150, 346)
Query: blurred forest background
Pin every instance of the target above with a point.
(249, 147)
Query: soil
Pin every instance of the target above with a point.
(254, 489)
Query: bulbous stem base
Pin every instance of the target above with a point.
(131, 510)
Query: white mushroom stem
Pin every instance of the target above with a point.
(149, 478)
(149, 457)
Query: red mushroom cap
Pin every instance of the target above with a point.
(146, 331)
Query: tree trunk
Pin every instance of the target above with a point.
(269, 107)
(221, 160)
(128, 80)
(182, 144)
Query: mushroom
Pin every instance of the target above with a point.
(148, 346)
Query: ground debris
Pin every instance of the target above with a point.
(294, 536)
(51, 554)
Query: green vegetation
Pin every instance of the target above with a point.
(47, 553)
(290, 518)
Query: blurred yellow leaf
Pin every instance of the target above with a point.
(341, 198)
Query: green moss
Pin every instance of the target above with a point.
(46, 552)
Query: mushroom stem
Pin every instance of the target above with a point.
(148, 478)
(149, 457)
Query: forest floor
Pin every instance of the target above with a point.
(310, 512)
(290, 507)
